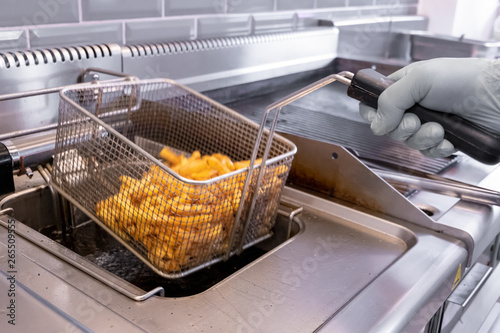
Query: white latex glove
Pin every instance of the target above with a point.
(468, 87)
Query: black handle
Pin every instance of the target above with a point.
(480, 144)
(6, 170)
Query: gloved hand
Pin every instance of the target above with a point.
(468, 87)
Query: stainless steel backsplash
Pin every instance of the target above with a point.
(32, 24)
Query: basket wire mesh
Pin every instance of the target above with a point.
(106, 162)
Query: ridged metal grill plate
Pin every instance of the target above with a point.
(329, 115)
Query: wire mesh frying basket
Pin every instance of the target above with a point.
(109, 137)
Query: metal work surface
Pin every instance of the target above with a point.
(341, 249)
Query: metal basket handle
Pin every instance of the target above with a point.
(344, 77)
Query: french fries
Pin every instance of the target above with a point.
(180, 224)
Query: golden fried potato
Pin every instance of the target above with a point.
(170, 156)
(191, 167)
(182, 224)
(225, 160)
(217, 165)
(246, 164)
(205, 174)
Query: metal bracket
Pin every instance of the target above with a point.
(294, 211)
(470, 284)
(7, 211)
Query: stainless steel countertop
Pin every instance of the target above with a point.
(481, 222)
(347, 268)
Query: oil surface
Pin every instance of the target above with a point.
(96, 245)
